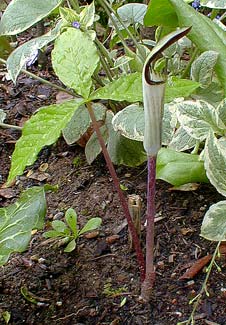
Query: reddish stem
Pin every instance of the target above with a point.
(148, 283)
(135, 238)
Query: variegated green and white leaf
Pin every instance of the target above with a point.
(182, 141)
(87, 15)
(169, 123)
(42, 129)
(18, 220)
(130, 122)
(19, 58)
(215, 4)
(198, 118)
(214, 222)
(202, 68)
(74, 60)
(215, 162)
(22, 14)
(221, 111)
(81, 121)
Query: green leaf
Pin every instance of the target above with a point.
(60, 227)
(52, 234)
(18, 58)
(205, 34)
(68, 16)
(43, 129)
(70, 246)
(87, 15)
(5, 47)
(198, 118)
(129, 88)
(130, 14)
(179, 168)
(215, 162)
(212, 94)
(202, 68)
(162, 13)
(215, 4)
(80, 122)
(221, 111)
(22, 14)
(169, 123)
(214, 222)
(18, 220)
(71, 219)
(91, 224)
(177, 87)
(6, 316)
(74, 60)
(124, 88)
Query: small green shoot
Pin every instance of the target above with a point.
(111, 292)
(68, 231)
(6, 316)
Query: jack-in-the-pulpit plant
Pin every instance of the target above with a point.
(153, 98)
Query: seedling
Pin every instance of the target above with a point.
(68, 231)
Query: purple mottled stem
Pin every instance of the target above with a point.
(147, 285)
(135, 238)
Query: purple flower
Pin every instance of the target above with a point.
(76, 24)
(196, 4)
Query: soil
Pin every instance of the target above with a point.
(99, 283)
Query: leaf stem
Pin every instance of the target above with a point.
(187, 69)
(46, 82)
(9, 126)
(136, 241)
(147, 285)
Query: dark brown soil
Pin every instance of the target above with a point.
(99, 283)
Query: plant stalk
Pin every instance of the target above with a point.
(147, 285)
(9, 126)
(136, 241)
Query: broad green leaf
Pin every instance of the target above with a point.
(19, 58)
(182, 141)
(198, 118)
(22, 14)
(70, 246)
(129, 88)
(71, 219)
(169, 123)
(60, 227)
(2, 116)
(218, 4)
(124, 88)
(42, 129)
(18, 220)
(205, 34)
(91, 224)
(81, 121)
(160, 13)
(177, 88)
(131, 14)
(202, 68)
(215, 162)
(179, 168)
(221, 111)
(214, 222)
(74, 60)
